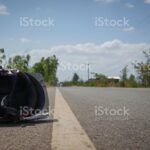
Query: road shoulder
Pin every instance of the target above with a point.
(67, 132)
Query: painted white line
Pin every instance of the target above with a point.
(67, 132)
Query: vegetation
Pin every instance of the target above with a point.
(2, 56)
(19, 62)
(75, 78)
(101, 80)
(46, 66)
(143, 70)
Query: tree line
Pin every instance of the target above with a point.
(46, 66)
(142, 78)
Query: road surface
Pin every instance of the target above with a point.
(109, 131)
(86, 118)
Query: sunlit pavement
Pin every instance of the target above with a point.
(95, 107)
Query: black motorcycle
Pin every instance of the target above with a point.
(23, 96)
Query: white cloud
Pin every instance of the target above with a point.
(106, 1)
(147, 1)
(129, 5)
(3, 10)
(108, 57)
(129, 29)
(24, 40)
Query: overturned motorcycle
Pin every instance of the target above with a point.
(23, 96)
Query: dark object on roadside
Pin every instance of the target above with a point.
(23, 96)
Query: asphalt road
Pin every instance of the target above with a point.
(113, 118)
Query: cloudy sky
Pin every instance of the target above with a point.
(107, 34)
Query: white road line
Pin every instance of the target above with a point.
(67, 132)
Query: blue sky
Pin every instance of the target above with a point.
(74, 28)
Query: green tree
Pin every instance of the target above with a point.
(101, 79)
(48, 68)
(131, 82)
(143, 70)
(124, 76)
(100, 76)
(2, 56)
(124, 73)
(19, 62)
(75, 78)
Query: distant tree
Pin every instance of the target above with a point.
(2, 56)
(143, 70)
(131, 82)
(48, 68)
(124, 77)
(19, 62)
(124, 73)
(75, 78)
(100, 76)
(132, 77)
(28, 57)
(101, 79)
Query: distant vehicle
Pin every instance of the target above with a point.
(23, 96)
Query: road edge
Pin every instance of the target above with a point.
(67, 131)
